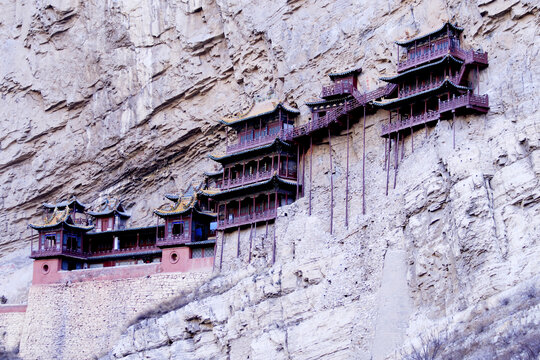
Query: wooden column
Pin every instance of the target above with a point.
(250, 242)
(396, 154)
(388, 165)
(453, 129)
(331, 183)
(238, 244)
(297, 167)
(303, 169)
(310, 170)
(364, 164)
(221, 256)
(347, 180)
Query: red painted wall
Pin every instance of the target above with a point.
(46, 271)
(176, 259)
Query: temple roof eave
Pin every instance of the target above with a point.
(224, 157)
(386, 104)
(391, 79)
(407, 42)
(254, 113)
(353, 71)
(274, 179)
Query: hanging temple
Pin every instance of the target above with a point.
(266, 166)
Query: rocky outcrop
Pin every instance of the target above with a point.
(121, 98)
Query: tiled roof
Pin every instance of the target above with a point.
(109, 207)
(222, 156)
(390, 78)
(385, 102)
(276, 178)
(63, 204)
(259, 109)
(57, 218)
(345, 73)
(423, 36)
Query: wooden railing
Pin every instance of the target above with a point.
(337, 89)
(244, 145)
(247, 219)
(57, 250)
(131, 250)
(454, 103)
(427, 86)
(410, 122)
(253, 178)
(452, 47)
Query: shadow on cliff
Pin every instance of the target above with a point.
(8, 356)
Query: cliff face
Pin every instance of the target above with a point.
(120, 97)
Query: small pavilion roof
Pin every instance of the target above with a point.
(213, 173)
(391, 103)
(345, 73)
(328, 102)
(183, 205)
(422, 37)
(395, 77)
(57, 218)
(73, 202)
(110, 207)
(220, 157)
(262, 108)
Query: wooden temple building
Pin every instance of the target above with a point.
(259, 171)
(436, 80)
(72, 238)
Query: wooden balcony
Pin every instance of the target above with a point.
(241, 220)
(427, 86)
(337, 90)
(410, 122)
(253, 178)
(58, 251)
(450, 46)
(125, 251)
(245, 145)
(173, 240)
(476, 102)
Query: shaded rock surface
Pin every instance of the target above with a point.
(121, 98)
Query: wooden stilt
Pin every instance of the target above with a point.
(396, 154)
(402, 146)
(214, 260)
(297, 162)
(385, 152)
(388, 165)
(412, 140)
(310, 170)
(364, 165)
(238, 244)
(266, 236)
(274, 245)
(303, 170)
(347, 180)
(222, 244)
(250, 242)
(331, 183)
(454, 130)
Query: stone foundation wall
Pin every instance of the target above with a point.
(11, 326)
(80, 320)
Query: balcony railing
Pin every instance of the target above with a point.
(58, 250)
(174, 240)
(467, 99)
(262, 140)
(247, 219)
(454, 103)
(130, 250)
(337, 89)
(449, 46)
(410, 122)
(253, 178)
(427, 86)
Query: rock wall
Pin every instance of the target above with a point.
(122, 98)
(84, 319)
(11, 327)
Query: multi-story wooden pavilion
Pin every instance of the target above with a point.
(436, 79)
(259, 170)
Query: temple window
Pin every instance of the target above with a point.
(50, 240)
(178, 228)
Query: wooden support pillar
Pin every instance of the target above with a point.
(303, 170)
(221, 256)
(137, 244)
(402, 146)
(266, 235)
(331, 183)
(310, 170)
(388, 165)
(454, 129)
(297, 163)
(396, 154)
(287, 166)
(412, 140)
(250, 242)
(347, 180)
(274, 245)
(238, 244)
(272, 169)
(364, 164)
